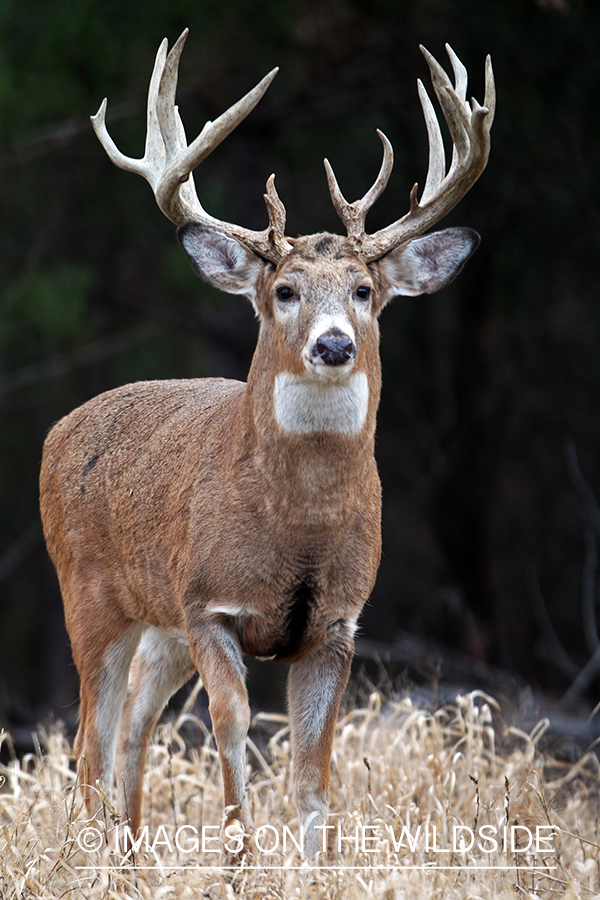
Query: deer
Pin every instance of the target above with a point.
(192, 522)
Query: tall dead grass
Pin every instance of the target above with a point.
(409, 788)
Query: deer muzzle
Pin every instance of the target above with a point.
(334, 348)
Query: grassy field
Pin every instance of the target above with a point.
(450, 804)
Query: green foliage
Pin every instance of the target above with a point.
(45, 312)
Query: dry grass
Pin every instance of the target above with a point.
(392, 766)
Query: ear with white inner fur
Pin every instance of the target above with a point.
(426, 264)
(221, 260)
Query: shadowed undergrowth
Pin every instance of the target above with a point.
(445, 804)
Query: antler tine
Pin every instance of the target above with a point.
(154, 153)
(437, 157)
(166, 110)
(469, 126)
(277, 216)
(353, 215)
(168, 161)
(461, 80)
(460, 74)
(454, 109)
(489, 100)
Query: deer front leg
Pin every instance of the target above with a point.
(315, 688)
(217, 655)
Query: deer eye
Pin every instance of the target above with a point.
(285, 294)
(363, 292)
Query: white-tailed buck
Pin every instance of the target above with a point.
(192, 522)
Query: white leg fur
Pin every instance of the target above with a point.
(112, 691)
(315, 687)
(160, 667)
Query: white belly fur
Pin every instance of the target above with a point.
(303, 406)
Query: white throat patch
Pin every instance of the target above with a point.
(304, 405)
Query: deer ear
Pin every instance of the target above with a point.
(220, 260)
(426, 264)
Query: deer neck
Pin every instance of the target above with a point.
(312, 439)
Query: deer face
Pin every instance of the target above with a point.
(322, 300)
(321, 303)
(318, 301)
(318, 309)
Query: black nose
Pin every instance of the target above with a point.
(335, 348)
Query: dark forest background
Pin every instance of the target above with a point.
(489, 428)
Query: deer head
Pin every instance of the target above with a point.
(233, 258)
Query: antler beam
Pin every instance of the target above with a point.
(469, 127)
(168, 161)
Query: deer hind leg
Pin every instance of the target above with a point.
(315, 688)
(103, 660)
(161, 665)
(217, 655)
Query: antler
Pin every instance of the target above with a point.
(469, 127)
(168, 161)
